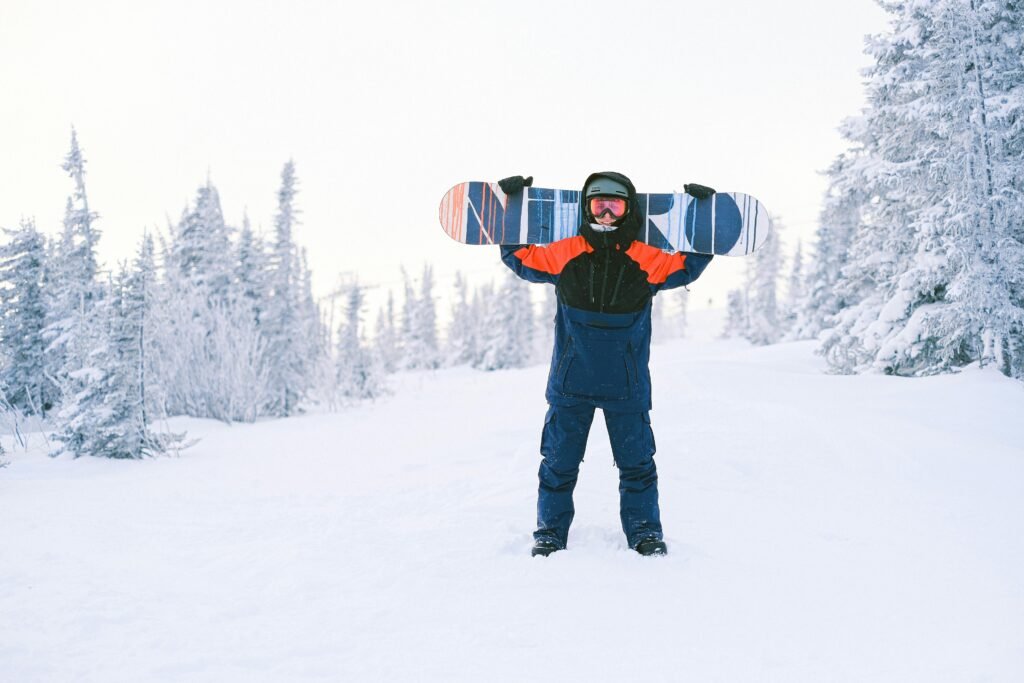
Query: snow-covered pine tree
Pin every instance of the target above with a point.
(419, 324)
(316, 339)
(252, 267)
(764, 324)
(71, 288)
(143, 402)
(289, 379)
(213, 358)
(107, 416)
(994, 64)
(80, 235)
(427, 327)
(936, 260)
(844, 203)
(735, 314)
(1008, 116)
(490, 319)
(407, 317)
(386, 337)
(506, 336)
(545, 323)
(358, 370)
(461, 337)
(795, 295)
(22, 321)
(86, 423)
(143, 297)
(522, 320)
(201, 249)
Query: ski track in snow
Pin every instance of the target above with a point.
(820, 528)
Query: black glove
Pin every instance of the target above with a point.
(514, 184)
(698, 191)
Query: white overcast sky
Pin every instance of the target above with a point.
(385, 105)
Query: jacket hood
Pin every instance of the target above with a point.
(628, 228)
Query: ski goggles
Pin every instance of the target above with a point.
(616, 206)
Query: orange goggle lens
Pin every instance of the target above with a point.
(614, 205)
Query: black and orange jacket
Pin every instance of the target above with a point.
(605, 281)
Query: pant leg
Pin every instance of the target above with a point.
(563, 444)
(633, 447)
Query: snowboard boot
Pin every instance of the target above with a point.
(651, 546)
(543, 548)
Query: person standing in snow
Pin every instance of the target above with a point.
(605, 280)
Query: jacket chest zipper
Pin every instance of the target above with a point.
(618, 283)
(604, 282)
(604, 277)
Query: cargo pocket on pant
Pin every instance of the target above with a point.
(649, 431)
(546, 444)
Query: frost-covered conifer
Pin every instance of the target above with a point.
(358, 372)
(522, 321)
(282, 326)
(252, 271)
(386, 337)
(461, 338)
(506, 336)
(71, 287)
(315, 338)
(545, 322)
(825, 293)
(22, 320)
(489, 334)
(201, 249)
(736, 314)
(764, 324)
(794, 293)
(80, 236)
(143, 298)
(107, 416)
(213, 357)
(934, 269)
(419, 326)
(426, 330)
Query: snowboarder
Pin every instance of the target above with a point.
(605, 279)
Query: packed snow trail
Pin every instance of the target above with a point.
(820, 528)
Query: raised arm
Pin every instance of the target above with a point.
(543, 262)
(667, 270)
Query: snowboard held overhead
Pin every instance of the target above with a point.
(724, 224)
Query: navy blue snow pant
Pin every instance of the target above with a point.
(563, 443)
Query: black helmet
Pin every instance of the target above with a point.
(607, 187)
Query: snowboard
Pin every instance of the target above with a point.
(725, 224)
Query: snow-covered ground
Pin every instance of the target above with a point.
(820, 528)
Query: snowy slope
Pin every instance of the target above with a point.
(820, 528)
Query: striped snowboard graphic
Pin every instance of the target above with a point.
(726, 224)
